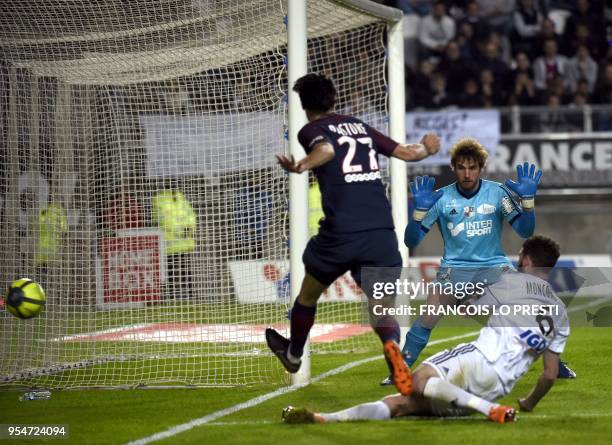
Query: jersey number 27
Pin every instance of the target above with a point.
(347, 163)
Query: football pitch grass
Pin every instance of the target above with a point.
(576, 411)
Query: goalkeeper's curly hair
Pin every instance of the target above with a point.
(317, 92)
(469, 148)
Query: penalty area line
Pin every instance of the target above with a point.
(209, 418)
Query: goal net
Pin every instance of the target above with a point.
(138, 186)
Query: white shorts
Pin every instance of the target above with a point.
(465, 366)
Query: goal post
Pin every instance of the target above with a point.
(138, 183)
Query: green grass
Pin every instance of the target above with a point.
(574, 412)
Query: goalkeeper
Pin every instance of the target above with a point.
(470, 214)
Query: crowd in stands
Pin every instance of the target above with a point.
(492, 53)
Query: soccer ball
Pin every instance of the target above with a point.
(25, 298)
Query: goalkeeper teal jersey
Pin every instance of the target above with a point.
(471, 225)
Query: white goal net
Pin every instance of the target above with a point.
(138, 185)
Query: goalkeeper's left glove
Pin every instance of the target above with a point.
(527, 185)
(424, 196)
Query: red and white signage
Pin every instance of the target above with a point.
(131, 268)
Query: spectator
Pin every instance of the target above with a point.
(527, 24)
(490, 60)
(582, 87)
(553, 121)
(576, 118)
(547, 32)
(466, 41)
(603, 89)
(522, 65)
(550, 65)
(556, 86)
(439, 98)
(582, 66)
(420, 85)
(504, 47)
(582, 36)
(470, 97)
(481, 29)
(437, 29)
(456, 69)
(497, 14)
(524, 91)
(592, 21)
(492, 93)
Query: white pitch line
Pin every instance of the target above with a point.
(265, 397)
(208, 419)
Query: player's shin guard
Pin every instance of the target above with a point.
(302, 319)
(416, 340)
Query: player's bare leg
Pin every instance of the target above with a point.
(302, 319)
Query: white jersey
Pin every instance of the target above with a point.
(527, 318)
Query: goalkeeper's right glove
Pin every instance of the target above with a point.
(424, 196)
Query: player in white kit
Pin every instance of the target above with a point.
(527, 321)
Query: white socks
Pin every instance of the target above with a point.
(366, 411)
(436, 388)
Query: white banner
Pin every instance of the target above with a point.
(451, 126)
(211, 144)
(263, 281)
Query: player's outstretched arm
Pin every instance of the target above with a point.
(545, 382)
(320, 154)
(429, 145)
(424, 199)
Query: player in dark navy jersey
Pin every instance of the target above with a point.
(357, 229)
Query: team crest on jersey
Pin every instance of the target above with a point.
(469, 211)
(485, 209)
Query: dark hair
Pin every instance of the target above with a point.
(317, 92)
(543, 251)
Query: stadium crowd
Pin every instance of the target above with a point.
(492, 53)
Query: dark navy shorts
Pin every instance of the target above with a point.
(329, 255)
